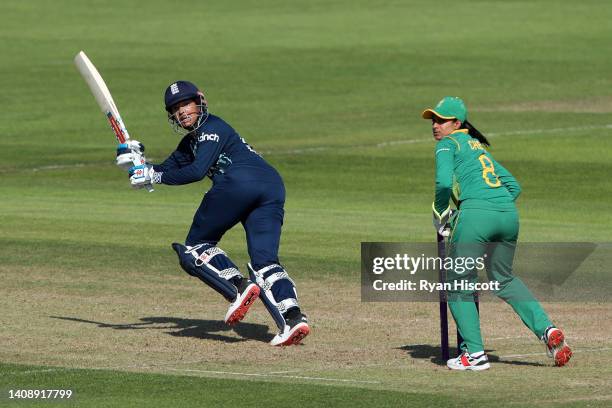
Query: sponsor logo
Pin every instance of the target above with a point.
(204, 258)
(157, 176)
(205, 136)
(475, 145)
(174, 89)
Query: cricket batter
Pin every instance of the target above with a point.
(245, 189)
(486, 222)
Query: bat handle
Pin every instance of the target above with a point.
(149, 188)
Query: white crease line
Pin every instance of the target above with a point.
(278, 374)
(285, 372)
(298, 377)
(156, 364)
(113, 367)
(543, 354)
(505, 338)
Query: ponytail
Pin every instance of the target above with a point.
(472, 131)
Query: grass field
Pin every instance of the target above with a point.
(92, 298)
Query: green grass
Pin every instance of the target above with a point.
(331, 92)
(107, 388)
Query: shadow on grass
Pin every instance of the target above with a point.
(201, 329)
(432, 353)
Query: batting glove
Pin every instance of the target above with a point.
(143, 175)
(130, 154)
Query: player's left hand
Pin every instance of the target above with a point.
(141, 176)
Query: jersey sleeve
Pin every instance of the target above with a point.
(180, 157)
(207, 153)
(175, 161)
(507, 180)
(445, 162)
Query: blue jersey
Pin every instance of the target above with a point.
(215, 149)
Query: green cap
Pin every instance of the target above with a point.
(450, 107)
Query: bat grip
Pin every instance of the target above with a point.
(149, 188)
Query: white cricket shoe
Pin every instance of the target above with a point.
(556, 347)
(467, 362)
(293, 333)
(248, 292)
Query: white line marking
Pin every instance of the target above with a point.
(298, 377)
(543, 354)
(38, 371)
(424, 140)
(285, 372)
(384, 144)
(58, 167)
(554, 130)
(47, 168)
(505, 338)
(279, 374)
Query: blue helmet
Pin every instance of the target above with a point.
(180, 91)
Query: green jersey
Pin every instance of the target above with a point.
(463, 164)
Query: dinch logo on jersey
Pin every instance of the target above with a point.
(206, 136)
(174, 88)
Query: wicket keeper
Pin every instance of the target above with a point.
(486, 222)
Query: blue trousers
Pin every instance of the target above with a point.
(257, 204)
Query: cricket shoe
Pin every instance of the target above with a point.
(295, 330)
(248, 292)
(467, 362)
(556, 347)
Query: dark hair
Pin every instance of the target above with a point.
(475, 133)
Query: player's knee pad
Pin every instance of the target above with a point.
(211, 265)
(278, 291)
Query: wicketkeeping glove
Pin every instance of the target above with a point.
(441, 221)
(130, 153)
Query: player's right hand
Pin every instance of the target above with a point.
(141, 175)
(130, 154)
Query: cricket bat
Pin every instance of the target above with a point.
(105, 100)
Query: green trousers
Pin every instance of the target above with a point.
(491, 235)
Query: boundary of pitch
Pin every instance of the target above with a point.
(208, 372)
(274, 374)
